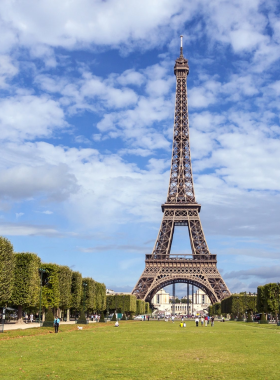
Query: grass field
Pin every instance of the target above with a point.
(143, 350)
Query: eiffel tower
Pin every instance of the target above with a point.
(181, 209)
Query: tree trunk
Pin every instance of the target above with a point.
(20, 320)
(68, 315)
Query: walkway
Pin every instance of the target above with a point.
(23, 326)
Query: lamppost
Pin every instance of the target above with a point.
(41, 271)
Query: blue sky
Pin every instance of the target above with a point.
(87, 96)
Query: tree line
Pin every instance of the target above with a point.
(24, 280)
(265, 301)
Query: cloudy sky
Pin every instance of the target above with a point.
(86, 117)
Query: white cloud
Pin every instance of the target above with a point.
(9, 229)
(7, 70)
(27, 117)
(104, 23)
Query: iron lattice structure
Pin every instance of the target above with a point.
(181, 209)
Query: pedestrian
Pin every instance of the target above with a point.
(196, 321)
(212, 321)
(223, 319)
(31, 318)
(26, 318)
(202, 320)
(144, 317)
(172, 318)
(158, 317)
(91, 317)
(56, 324)
(148, 317)
(206, 320)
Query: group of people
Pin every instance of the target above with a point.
(204, 320)
(29, 318)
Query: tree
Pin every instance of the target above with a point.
(125, 303)
(147, 308)
(100, 296)
(26, 289)
(261, 304)
(185, 300)
(271, 295)
(76, 290)
(140, 307)
(65, 283)
(7, 262)
(50, 290)
(89, 289)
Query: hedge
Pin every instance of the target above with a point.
(238, 303)
(123, 303)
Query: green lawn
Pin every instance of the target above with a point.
(143, 350)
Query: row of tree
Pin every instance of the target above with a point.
(265, 301)
(127, 304)
(24, 279)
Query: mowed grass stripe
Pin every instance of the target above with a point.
(142, 350)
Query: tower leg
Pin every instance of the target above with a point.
(188, 297)
(192, 299)
(173, 294)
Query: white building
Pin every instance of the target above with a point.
(162, 302)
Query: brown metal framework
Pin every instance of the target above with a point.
(181, 209)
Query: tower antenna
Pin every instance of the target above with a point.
(181, 48)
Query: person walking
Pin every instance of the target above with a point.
(31, 318)
(148, 317)
(172, 318)
(196, 321)
(56, 324)
(212, 321)
(201, 320)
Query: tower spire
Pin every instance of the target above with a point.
(181, 48)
